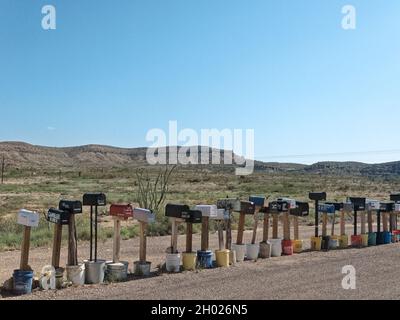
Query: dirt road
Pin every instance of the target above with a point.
(310, 275)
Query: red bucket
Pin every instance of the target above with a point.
(356, 241)
(287, 247)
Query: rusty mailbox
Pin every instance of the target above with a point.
(123, 211)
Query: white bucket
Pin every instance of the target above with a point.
(333, 243)
(240, 251)
(95, 271)
(265, 250)
(252, 251)
(76, 274)
(276, 247)
(173, 262)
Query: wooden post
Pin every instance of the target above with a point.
(385, 221)
(220, 235)
(324, 224)
(242, 219)
(296, 227)
(255, 226)
(25, 249)
(286, 226)
(228, 245)
(55, 260)
(143, 242)
(363, 229)
(370, 227)
(205, 234)
(333, 224)
(275, 220)
(72, 242)
(266, 227)
(116, 239)
(342, 223)
(189, 236)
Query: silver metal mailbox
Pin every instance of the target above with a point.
(28, 218)
(372, 205)
(210, 211)
(144, 215)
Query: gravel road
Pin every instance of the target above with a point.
(310, 275)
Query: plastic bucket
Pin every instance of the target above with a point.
(204, 259)
(59, 278)
(142, 269)
(276, 247)
(334, 242)
(189, 261)
(316, 243)
(117, 272)
(356, 241)
(343, 241)
(287, 247)
(222, 257)
(95, 271)
(240, 251)
(252, 251)
(265, 250)
(232, 257)
(76, 274)
(372, 239)
(298, 246)
(387, 237)
(364, 240)
(325, 243)
(22, 282)
(379, 238)
(173, 262)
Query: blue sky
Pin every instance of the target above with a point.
(112, 70)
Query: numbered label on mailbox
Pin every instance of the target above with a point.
(58, 216)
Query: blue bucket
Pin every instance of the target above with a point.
(380, 238)
(204, 259)
(387, 237)
(22, 281)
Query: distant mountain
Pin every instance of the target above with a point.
(24, 155)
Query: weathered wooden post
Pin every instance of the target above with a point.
(59, 218)
(359, 205)
(246, 208)
(190, 259)
(371, 207)
(326, 209)
(287, 205)
(265, 245)
(253, 249)
(302, 210)
(207, 212)
(316, 241)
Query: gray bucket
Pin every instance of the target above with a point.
(95, 271)
(265, 250)
(59, 278)
(117, 272)
(142, 268)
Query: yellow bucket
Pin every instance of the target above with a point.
(297, 246)
(364, 238)
(316, 243)
(344, 242)
(189, 261)
(222, 258)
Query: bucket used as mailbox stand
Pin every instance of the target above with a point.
(95, 271)
(287, 247)
(276, 247)
(379, 238)
(222, 258)
(142, 268)
(76, 274)
(59, 278)
(395, 236)
(240, 251)
(387, 237)
(343, 241)
(316, 243)
(325, 242)
(232, 257)
(173, 262)
(22, 282)
(364, 240)
(265, 250)
(189, 261)
(334, 242)
(372, 239)
(204, 259)
(252, 251)
(297, 246)
(356, 241)
(117, 272)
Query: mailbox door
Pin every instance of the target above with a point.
(359, 203)
(258, 201)
(247, 207)
(320, 196)
(124, 211)
(94, 199)
(175, 210)
(73, 207)
(58, 216)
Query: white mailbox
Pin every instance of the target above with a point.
(372, 205)
(28, 218)
(210, 211)
(221, 215)
(144, 215)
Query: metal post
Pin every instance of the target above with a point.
(379, 221)
(316, 218)
(91, 233)
(95, 235)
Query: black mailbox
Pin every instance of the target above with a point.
(94, 199)
(278, 206)
(247, 207)
(176, 210)
(71, 206)
(264, 210)
(58, 216)
(338, 205)
(359, 203)
(395, 197)
(387, 206)
(302, 209)
(192, 216)
(317, 196)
